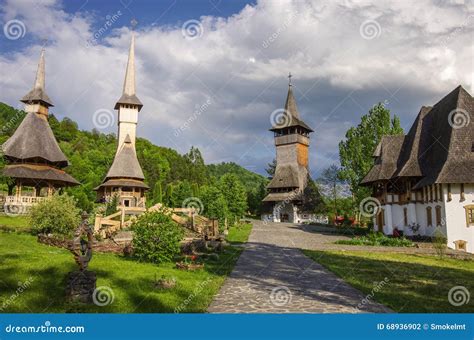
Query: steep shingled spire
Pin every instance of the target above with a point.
(38, 92)
(290, 105)
(129, 91)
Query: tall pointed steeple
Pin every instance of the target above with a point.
(38, 93)
(290, 105)
(129, 96)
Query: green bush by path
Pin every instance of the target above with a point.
(57, 214)
(414, 283)
(156, 237)
(378, 239)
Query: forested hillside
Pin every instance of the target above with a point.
(172, 177)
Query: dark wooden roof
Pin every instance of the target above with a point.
(294, 195)
(386, 156)
(34, 173)
(436, 149)
(286, 176)
(32, 140)
(126, 163)
(123, 182)
(293, 117)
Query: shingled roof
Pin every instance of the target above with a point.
(34, 173)
(126, 163)
(292, 118)
(33, 140)
(386, 155)
(437, 149)
(286, 176)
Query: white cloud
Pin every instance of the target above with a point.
(422, 51)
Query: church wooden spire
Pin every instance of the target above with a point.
(38, 93)
(129, 96)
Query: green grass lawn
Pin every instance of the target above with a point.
(23, 259)
(240, 233)
(416, 283)
(14, 223)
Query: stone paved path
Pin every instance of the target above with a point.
(273, 276)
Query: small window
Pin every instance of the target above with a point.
(405, 216)
(462, 192)
(429, 219)
(438, 215)
(460, 245)
(469, 215)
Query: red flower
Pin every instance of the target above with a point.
(193, 257)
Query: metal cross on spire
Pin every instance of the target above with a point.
(133, 23)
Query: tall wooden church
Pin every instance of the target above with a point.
(125, 178)
(286, 190)
(33, 158)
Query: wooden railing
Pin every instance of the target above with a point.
(24, 200)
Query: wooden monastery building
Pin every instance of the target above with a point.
(286, 190)
(125, 178)
(424, 180)
(32, 154)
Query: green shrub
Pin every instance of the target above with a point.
(156, 237)
(56, 215)
(439, 243)
(378, 239)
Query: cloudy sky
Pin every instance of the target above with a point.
(210, 73)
